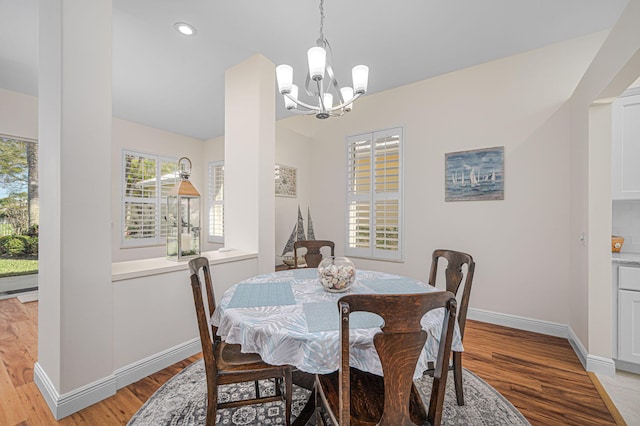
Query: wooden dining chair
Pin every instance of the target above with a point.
(313, 257)
(453, 278)
(225, 363)
(350, 396)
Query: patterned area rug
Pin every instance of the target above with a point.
(182, 402)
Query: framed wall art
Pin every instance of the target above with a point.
(474, 175)
(286, 181)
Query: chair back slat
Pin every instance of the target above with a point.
(313, 256)
(453, 278)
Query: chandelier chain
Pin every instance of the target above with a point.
(322, 20)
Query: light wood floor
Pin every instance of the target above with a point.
(539, 374)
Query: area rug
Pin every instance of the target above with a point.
(182, 402)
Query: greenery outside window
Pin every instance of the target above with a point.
(374, 195)
(216, 202)
(146, 182)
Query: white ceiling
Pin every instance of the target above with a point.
(166, 80)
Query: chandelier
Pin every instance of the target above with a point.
(323, 88)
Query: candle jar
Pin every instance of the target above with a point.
(336, 274)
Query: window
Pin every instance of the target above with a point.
(216, 202)
(146, 182)
(374, 195)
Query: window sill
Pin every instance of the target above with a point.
(160, 265)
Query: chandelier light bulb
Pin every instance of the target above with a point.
(317, 57)
(284, 75)
(327, 100)
(360, 74)
(347, 95)
(288, 102)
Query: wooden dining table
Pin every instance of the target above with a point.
(290, 319)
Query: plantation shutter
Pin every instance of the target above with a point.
(374, 165)
(386, 194)
(216, 202)
(147, 179)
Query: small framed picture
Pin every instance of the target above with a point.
(286, 181)
(474, 175)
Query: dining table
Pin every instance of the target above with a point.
(288, 318)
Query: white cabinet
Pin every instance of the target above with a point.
(625, 149)
(629, 326)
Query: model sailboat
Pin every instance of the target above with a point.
(297, 234)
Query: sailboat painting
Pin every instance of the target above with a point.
(474, 175)
(297, 234)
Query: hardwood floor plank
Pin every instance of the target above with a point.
(36, 410)
(11, 408)
(540, 375)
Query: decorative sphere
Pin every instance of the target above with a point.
(336, 273)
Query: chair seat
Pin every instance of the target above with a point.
(367, 397)
(231, 358)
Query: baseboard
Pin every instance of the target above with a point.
(145, 367)
(71, 402)
(519, 323)
(577, 346)
(592, 363)
(627, 366)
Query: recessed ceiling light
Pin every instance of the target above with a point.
(185, 29)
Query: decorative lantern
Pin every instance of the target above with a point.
(183, 216)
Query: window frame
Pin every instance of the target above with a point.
(371, 196)
(211, 202)
(158, 239)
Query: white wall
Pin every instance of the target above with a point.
(137, 137)
(519, 244)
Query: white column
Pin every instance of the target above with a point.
(75, 314)
(249, 158)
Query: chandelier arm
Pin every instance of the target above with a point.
(345, 103)
(302, 104)
(299, 112)
(321, 104)
(307, 85)
(333, 81)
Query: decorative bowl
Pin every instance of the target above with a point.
(336, 274)
(616, 243)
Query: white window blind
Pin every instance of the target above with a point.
(216, 202)
(374, 195)
(146, 182)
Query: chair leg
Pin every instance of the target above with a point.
(257, 388)
(319, 419)
(212, 408)
(457, 377)
(288, 392)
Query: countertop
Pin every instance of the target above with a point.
(626, 258)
